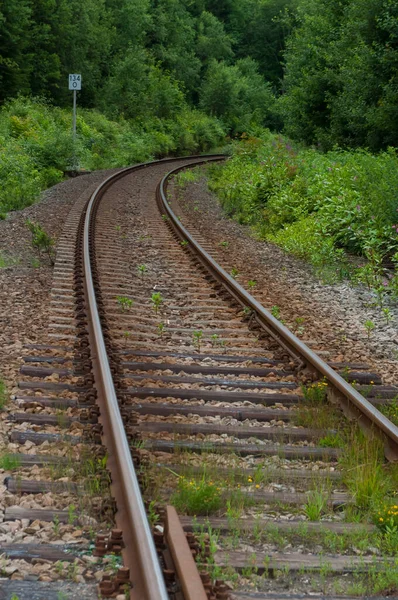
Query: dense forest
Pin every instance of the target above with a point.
(324, 71)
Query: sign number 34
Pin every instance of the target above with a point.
(75, 82)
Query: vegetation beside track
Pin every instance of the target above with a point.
(322, 207)
(219, 505)
(37, 146)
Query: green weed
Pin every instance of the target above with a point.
(332, 440)
(157, 301)
(365, 475)
(41, 240)
(390, 410)
(124, 302)
(7, 261)
(387, 315)
(183, 178)
(369, 326)
(386, 519)
(142, 269)
(9, 462)
(194, 497)
(197, 339)
(316, 505)
(276, 312)
(3, 394)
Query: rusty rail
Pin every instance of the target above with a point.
(140, 554)
(352, 402)
(185, 566)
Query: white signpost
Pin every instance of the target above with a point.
(75, 84)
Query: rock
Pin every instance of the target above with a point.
(10, 569)
(89, 559)
(78, 533)
(31, 530)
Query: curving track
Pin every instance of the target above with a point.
(207, 377)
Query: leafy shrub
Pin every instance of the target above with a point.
(36, 145)
(20, 179)
(316, 206)
(303, 239)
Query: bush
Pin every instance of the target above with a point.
(36, 145)
(304, 240)
(316, 206)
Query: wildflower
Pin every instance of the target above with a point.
(358, 207)
(257, 486)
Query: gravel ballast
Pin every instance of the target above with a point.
(333, 315)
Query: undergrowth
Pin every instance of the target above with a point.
(36, 146)
(322, 207)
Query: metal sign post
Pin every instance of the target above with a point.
(75, 84)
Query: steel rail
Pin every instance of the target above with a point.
(352, 402)
(185, 566)
(140, 554)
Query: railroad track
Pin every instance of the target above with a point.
(165, 382)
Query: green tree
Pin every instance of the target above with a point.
(15, 19)
(42, 56)
(130, 20)
(212, 41)
(261, 31)
(341, 74)
(172, 41)
(238, 95)
(81, 31)
(138, 88)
